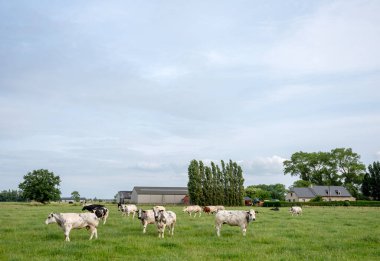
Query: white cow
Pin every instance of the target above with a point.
(128, 209)
(193, 209)
(234, 218)
(165, 219)
(158, 208)
(295, 210)
(220, 208)
(210, 209)
(68, 221)
(146, 217)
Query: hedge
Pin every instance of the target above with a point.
(359, 203)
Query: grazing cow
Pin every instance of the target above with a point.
(158, 208)
(68, 221)
(220, 208)
(128, 209)
(92, 207)
(234, 218)
(210, 209)
(296, 210)
(146, 217)
(275, 209)
(193, 209)
(165, 219)
(100, 211)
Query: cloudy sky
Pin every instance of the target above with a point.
(115, 94)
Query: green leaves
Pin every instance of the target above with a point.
(41, 185)
(215, 186)
(337, 167)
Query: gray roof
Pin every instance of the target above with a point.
(311, 192)
(304, 192)
(333, 191)
(161, 190)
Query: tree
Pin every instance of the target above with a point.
(75, 195)
(301, 183)
(262, 191)
(338, 167)
(11, 195)
(215, 186)
(41, 185)
(371, 183)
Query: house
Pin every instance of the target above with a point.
(158, 195)
(328, 193)
(123, 197)
(72, 200)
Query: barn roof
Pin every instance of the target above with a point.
(304, 192)
(125, 194)
(161, 190)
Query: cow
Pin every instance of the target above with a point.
(100, 211)
(234, 218)
(193, 209)
(210, 209)
(295, 210)
(165, 219)
(128, 209)
(220, 208)
(157, 208)
(68, 221)
(146, 217)
(92, 207)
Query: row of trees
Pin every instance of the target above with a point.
(11, 196)
(215, 185)
(262, 191)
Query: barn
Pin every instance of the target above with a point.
(158, 195)
(123, 197)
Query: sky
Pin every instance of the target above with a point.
(109, 95)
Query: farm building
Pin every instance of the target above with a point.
(158, 195)
(328, 193)
(123, 197)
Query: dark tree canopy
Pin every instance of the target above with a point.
(41, 185)
(371, 182)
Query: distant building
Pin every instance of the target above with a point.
(158, 195)
(72, 200)
(123, 197)
(328, 193)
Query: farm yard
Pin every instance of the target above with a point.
(320, 233)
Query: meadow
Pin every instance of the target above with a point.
(321, 233)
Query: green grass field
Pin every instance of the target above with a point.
(321, 233)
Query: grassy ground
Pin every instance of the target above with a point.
(321, 233)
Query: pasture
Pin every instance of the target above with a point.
(321, 233)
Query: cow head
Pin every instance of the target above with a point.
(140, 213)
(159, 215)
(251, 215)
(50, 219)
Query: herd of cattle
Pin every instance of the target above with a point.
(157, 215)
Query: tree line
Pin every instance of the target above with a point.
(214, 185)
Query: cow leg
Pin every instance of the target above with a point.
(66, 230)
(244, 229)
(94, 232)
(173, 229)
(218, 226)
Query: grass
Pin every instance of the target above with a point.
(321, 233)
